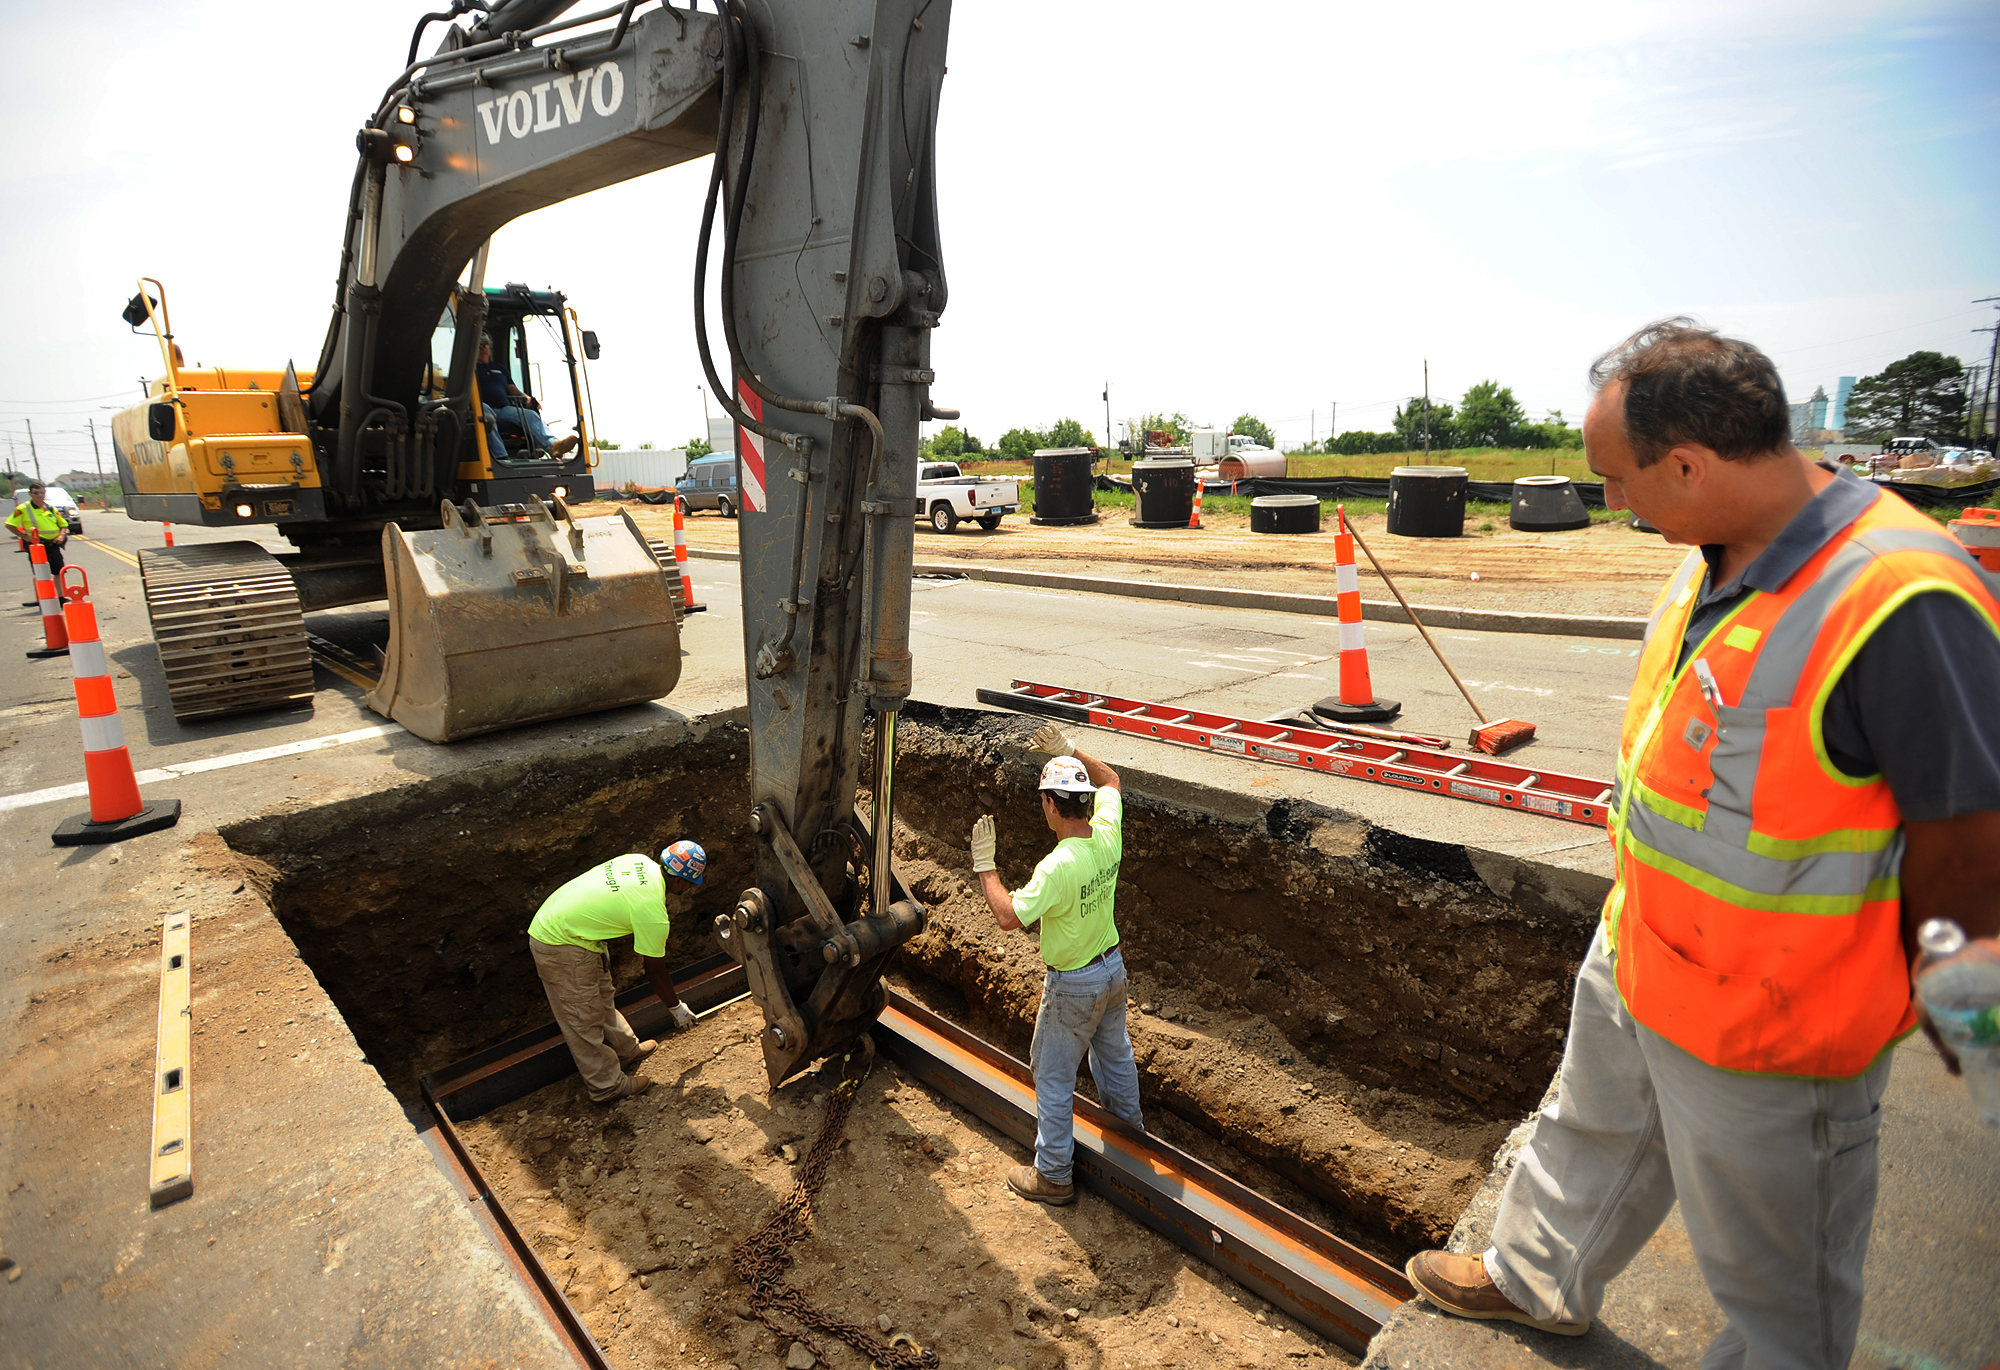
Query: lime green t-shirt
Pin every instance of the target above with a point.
(624, 897)
(1070, 892)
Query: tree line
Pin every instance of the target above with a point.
(1923, 395)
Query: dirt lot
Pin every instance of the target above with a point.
(636, 1209)
(1603, 569)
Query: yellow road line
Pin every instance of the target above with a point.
(110, 551)
(322, 653)
(326, 654)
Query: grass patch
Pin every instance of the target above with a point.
(1480, 463)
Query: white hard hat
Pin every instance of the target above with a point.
(1066, 775)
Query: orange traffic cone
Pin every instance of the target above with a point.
(1194, 519)
(116, 811)
(688, 605)
(169, 528)
(55, 638)
(1356, 702)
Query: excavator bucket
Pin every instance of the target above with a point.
(519, 613)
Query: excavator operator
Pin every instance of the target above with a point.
(505, 402)
(627, 896)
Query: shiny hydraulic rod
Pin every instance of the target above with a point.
(882, 880)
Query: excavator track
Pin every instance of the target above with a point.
(231, 634)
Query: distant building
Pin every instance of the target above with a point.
(722, 435)
(1841, 391)
(81, 480)
(1809, 417)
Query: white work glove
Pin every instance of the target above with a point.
(984, 841)
(1053, 740)
(683, 1016)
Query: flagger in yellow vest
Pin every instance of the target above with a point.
(1809, 768)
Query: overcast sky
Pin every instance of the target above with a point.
(1215, 209)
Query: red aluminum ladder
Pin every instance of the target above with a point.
(1479, 779)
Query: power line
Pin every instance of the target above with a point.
(81, 399)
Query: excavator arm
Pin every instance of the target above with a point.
(821, 228)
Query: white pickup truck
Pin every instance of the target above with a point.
(945, 495)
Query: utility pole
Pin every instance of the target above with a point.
(1992, 356)
(1427, 411)
(97, 452)
(32, 453)
(1331, 427)
(1107, 416)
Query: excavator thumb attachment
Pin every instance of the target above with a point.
(519, 613)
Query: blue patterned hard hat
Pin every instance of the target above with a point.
(685, 859)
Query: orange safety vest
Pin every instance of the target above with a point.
(1756, 918)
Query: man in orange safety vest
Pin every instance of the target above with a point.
(1809, 769)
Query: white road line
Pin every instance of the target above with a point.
(183, 769)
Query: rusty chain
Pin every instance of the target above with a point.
(765, 1254)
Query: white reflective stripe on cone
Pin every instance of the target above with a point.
(1346, 579)
(1353, 637)
(102, 734)
(88, 658)
(51, 607)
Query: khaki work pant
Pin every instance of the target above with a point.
(1776, 1179)
(578, 983)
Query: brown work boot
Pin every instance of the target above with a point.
(632, 1062)
(565, 447)
(1460, 1285)
(632, 1088)
(1030, 1183)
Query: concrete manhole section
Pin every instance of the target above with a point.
(1347, 1020)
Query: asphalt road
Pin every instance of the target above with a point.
(1937, 1239)
(964, 635)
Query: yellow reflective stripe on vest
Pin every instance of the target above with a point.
(1821, 874)
(1823, 905)
(1839, 668)
(1683, 814)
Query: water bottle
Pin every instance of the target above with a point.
(1959, 985)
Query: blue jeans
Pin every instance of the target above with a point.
(529, 421)
(1083, 1012)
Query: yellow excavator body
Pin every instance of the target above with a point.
(519, 614)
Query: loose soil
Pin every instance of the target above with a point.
(1603, 569)
(636, 1208)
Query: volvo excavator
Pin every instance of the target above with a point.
(819, 116)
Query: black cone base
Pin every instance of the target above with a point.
(1334, 711)
(81, 832)
(44, 653)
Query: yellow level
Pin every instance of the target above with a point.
(173, 1136)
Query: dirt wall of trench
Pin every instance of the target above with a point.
(1362, 1013)
(412, 906)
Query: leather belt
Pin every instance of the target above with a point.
(1095, 959)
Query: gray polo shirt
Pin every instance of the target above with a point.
(1920, 702)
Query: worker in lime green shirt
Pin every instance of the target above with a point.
(35, 515)
(627, 896)
(1083, 991)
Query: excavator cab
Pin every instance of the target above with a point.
(543, 356)
(504, 609)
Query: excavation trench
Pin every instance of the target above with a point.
(1346, 1018)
